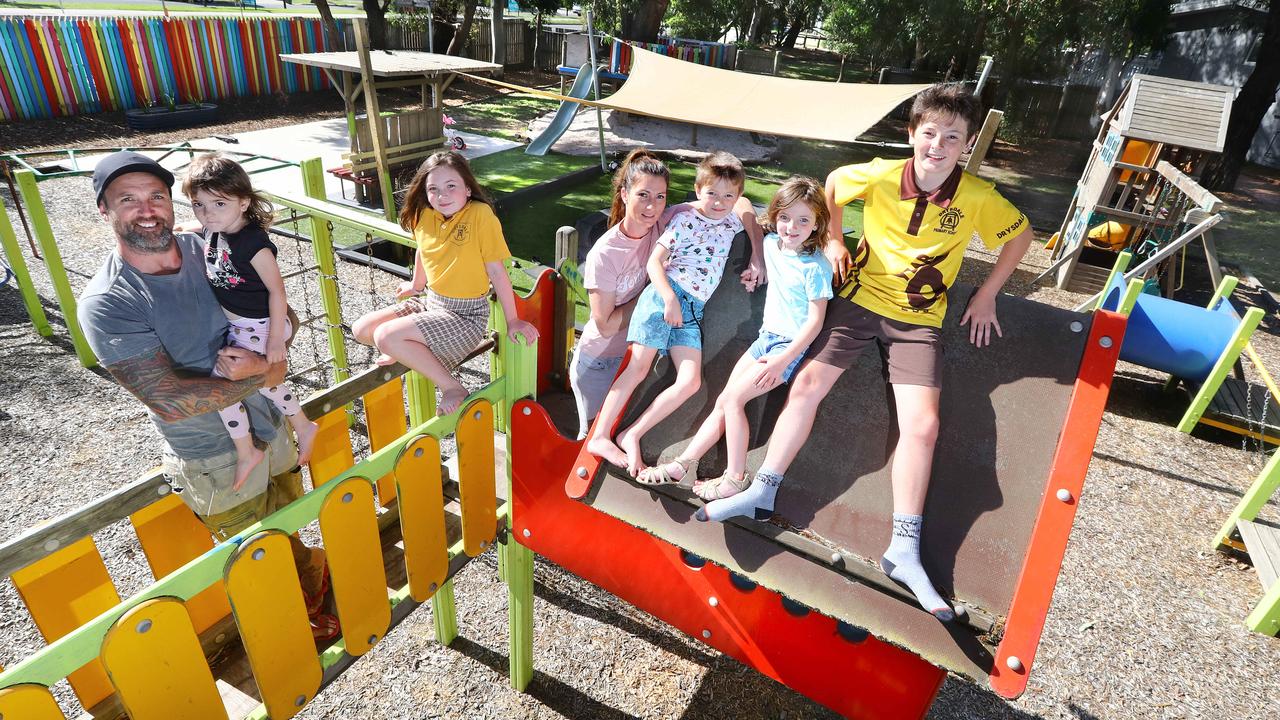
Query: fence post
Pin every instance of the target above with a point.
(520, 380)
(30, 192)
(322, 247)
(22, 276)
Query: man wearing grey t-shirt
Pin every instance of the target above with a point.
(152, 319)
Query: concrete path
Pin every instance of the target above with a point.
(326, 139)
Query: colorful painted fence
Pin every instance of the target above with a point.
(52, 66)
(694, 51)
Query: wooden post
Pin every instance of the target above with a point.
(986, 137)
(377, 132)
(566, 315)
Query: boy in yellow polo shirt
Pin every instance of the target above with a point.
(918, 216)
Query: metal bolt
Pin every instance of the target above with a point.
(259, 554)
(386, 375)
(706, 634)
(1105, 341)
(373, 639)
(1076, 326)
(582, 472)
(1014, 663)
(417, 452)
(477, 415)
(162, 490)
(713, 601)
(1064, 495)
(220, 638)
(348, 497)
(526, 532)
(50, 545)
(300, 700)
(433, 587)
(327, 407)
(527, 410)
(835, 558)
(483, 544)
(143, 626)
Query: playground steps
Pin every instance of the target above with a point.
(1088, 279)
(1246, 407)
(1263, 544)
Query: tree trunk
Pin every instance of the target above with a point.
(642, 24)
(460, 38)
(793, 32)
(498, 35)
(377, 14)
(336, 41)
(1256, 96)
(1110, 86)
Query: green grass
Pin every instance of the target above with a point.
(1248, 239)
(503, 116)
(512, 170)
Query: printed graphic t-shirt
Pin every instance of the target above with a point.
(616, 263)
(455, 249)
(913, 242)
(227, 260)
(699, 248)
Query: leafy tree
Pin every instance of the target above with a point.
(1257, 94)
(706, 19)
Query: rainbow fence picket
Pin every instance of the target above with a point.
(51, 66)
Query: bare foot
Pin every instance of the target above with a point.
(306, 431)
(245, 463)
(630, 444)
(384, 360)
(604, 449)
(450, 400)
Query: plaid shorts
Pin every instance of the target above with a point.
(451, 327)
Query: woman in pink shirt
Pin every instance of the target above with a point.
(614, 274)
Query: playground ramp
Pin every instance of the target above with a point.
(582, 85)
(997, 469)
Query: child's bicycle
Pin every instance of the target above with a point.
(452, 138)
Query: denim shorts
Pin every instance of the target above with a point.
(768, 344)
(648, 327)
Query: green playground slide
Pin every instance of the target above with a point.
(564, 116)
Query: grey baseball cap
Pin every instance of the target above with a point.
(121, 163)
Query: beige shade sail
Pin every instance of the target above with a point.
(665, 87)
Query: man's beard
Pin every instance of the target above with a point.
(156, 241)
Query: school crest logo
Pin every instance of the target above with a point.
(459, 234)
(949, 220)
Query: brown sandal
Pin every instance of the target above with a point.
(725, 486)
(658, 474)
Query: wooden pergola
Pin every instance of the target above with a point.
(400, 138)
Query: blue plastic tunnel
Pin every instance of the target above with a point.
(1174, 337)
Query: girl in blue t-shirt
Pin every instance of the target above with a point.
(240, 262)
(795, 303)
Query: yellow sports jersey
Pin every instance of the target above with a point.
(913, 242)
(455, 249)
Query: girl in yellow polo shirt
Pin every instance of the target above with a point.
(444, 310)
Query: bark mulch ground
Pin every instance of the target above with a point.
(1147, 620)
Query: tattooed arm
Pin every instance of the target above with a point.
(152, 379)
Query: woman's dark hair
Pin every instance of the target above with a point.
(638, 162)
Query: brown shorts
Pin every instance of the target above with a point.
(909, 354)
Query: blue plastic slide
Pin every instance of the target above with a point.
(564, 116)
